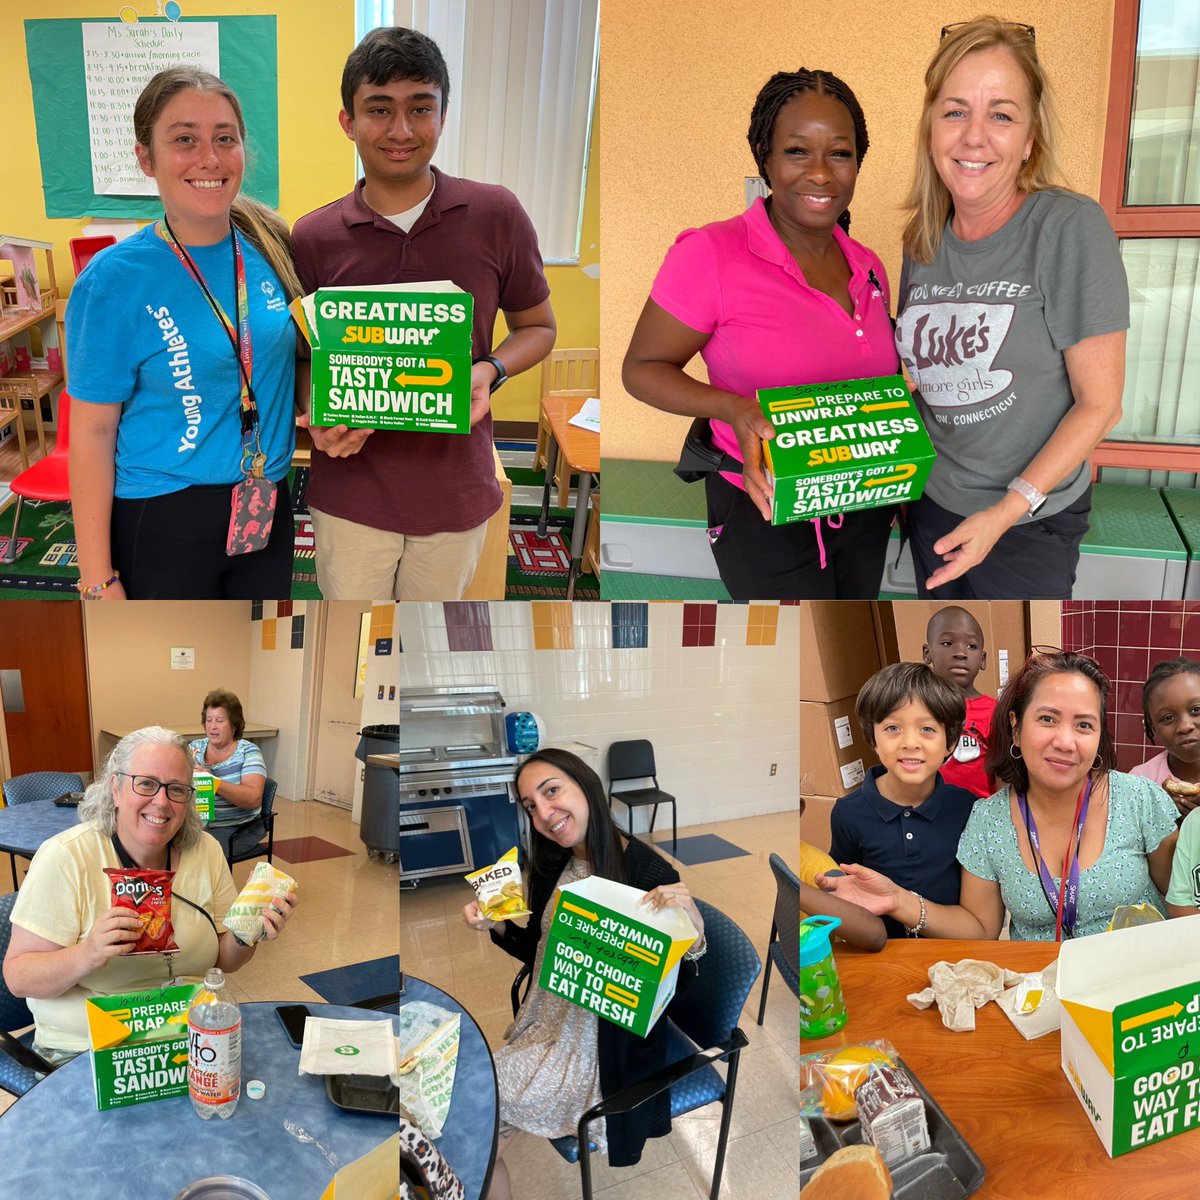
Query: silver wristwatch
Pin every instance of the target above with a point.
(1028, 493)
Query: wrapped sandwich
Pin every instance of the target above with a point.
(245, 918)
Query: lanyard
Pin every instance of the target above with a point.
(1065, 904)
(239, 337)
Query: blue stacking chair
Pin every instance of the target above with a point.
(37, 785)
(784, 948)
(703, 1029)
(265, 823)
(19, 1064)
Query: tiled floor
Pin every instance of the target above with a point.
(761, 1160)
(347, 911)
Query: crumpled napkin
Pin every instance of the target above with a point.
(960, 988)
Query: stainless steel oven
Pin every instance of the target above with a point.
(457, 810)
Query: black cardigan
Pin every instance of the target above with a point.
(623, 1057)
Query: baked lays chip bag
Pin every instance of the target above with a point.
(148, 893)
(499, 889)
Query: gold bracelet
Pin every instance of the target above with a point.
(919, 928)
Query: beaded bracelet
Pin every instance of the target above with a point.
(919, 928)
(95, 593)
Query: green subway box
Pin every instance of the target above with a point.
(842, 447)
(139, 1044)
(396, 356)
(206, 794)
(1131, 1031)
(608, 953)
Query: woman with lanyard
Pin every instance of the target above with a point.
(775, 297)
(69, 941)
(1069, 838)
(182, 359)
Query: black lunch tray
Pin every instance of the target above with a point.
(948, 1170)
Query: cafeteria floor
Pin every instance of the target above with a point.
(347, 911)
(761, 1162)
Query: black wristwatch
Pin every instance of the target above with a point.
(502, 373)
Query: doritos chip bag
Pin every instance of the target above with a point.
(148, 893)
(245, 918)
(499, 889)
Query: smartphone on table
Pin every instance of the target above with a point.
(293, 1017)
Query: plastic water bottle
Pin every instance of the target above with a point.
(822, 1006)
(214, 1049)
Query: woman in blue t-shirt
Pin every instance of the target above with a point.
(237, 768)
(182, 358)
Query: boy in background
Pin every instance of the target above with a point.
(954, 649)
(905, 820)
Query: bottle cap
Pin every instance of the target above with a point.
(814, 938)
(256, 1089)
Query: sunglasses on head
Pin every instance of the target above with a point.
(1007, 25)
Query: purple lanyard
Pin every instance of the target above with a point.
(1066, 905)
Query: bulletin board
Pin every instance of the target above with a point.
(54, 51)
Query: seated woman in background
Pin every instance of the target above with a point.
(237, 767)
(558, 1059)
(70, 942)
(1065, 816)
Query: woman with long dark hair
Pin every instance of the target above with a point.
(559, 1059)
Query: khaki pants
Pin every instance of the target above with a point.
(357, 562)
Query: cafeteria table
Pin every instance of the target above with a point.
(1007, 1097)
(580, 449)
(24, 827)
(54, 1142)
(468, 1141)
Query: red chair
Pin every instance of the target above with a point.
(84, 249)
(47, 479)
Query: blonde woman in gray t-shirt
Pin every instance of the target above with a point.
(1013, 310)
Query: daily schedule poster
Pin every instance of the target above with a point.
(88, 165)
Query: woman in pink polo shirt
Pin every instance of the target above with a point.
(777, 296)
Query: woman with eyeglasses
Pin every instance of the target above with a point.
(1013, 307)
(1066, 841)
(70, 942)
(238, 772)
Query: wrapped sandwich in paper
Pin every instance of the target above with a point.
(245, 918)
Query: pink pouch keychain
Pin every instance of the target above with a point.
(252, 510)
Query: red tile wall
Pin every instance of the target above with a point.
(1127, 638)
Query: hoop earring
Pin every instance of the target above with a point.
(1016, 756)
(1097, 764)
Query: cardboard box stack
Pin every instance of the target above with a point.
(838, 654)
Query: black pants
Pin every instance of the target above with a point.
(241, 837)
(1036, 561)
(173, 548)
(760, 561)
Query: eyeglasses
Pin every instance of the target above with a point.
(147, 785)
(1007, 25)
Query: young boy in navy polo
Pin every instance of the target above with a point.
(905, 820)
(954, 649)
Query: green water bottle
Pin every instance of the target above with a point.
(822, 1006)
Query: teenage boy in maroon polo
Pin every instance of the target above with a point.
(402, 515)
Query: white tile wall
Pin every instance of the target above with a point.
(718, 715)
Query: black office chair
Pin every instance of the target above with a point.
(20, 1065)
(635, 760)
(265, 823)
(37, 785)
(703, 1030)
(784, 948)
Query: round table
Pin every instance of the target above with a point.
(468, 1141)
(24, 827)
(54, 1142)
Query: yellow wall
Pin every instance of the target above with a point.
(316, 160)
(673, 139)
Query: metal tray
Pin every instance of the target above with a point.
(948, 1170)
(363, 1093)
